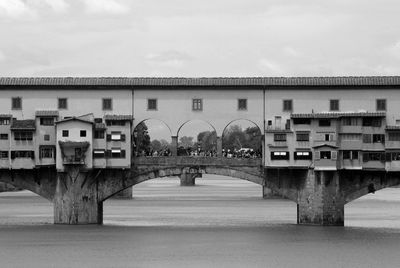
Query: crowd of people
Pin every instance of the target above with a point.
(236, 153)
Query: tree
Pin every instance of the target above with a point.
(142, 138)
(207, 140)
(186, 142)
(235, 138)
(156, 145)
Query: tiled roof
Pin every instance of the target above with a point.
(74, 119)
(52, 113)
(116, 117)
(202, 81)
(99, 126)
(5, 115)
(23, 125)
(339, 115)
(82, 144)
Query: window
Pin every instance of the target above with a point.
(350, 137)
(98, 153)
(4, 121)
(381, 105)
(280, 137)
(287, 105)
(46, 152)
(3, 154)
(99, 134)
(373, 156)
(372, 122)
(350, 121)
(107, 104)
(197, 104)
(152, 104)
(22, 154)
(328, 137)
(324, 122)
(378, 138)
(394, 136)
(46, 137)
(3, 136)
(116, 153)
(348, 154)
(279, 155)
(278, 122)
(16, 103)
(98, 120)
(334, 105)
(393, 156)
(367, 138)
(302, 155)
(287, 125)
(65, 133)
(115, 136)
(62, 103)
(325, 154)
(23, 135)
(302, 121)
(301, 136)
(242, 104)
(47, 121)
(83, 133)
(115, 123)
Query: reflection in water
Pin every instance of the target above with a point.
(219, 223)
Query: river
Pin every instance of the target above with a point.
(221, 222)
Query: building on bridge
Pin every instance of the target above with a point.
(326, 127)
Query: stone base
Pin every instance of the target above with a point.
(188, 179)
(125, 194)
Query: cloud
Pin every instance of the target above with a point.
(105, 6)
(171, 58)
(14, 9)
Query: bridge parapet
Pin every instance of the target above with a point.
(196, 161)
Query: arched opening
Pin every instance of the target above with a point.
(152, 137)
(197, 138)
(242, 138)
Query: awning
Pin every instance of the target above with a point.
(74, 144)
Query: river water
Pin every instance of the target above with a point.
(221, 222)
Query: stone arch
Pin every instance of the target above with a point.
(245, 119)
(149, 174)
(154, 119)
(193, 120)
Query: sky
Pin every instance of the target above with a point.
(186, 38)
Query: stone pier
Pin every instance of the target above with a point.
(124, 194)
(188, 179)
(268, 193)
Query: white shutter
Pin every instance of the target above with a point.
(317, 155)
(334, 155)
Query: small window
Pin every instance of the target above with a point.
(324, 123)
(3, 154)
(280, 137)
(394, 136)
(107, 104)
(46, 152)
(197, 104)
(16, 103)
(4, 121)
(83, 133)
(115, 123)
(325, 154)
(302, 155)
(301, 121)
(303, 136)
(152, 104)
(372, 122)
(116, 136)
(23, 135)
(287, 105)
(328, 137)
(279, 155)
(242, 104)
(350, 155)
(3, 136)
(62, 103)
(65, 133)
(367, 138)
(378, 138)
(116, 153)
(99, 134)
(46, 137)
(381, 105)
(334, 105)
(47, 121)
(98, 153)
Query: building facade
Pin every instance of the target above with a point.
(329, 123)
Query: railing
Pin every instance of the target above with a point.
(196, 160)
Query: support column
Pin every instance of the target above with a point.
(76, 198)
(188, 179)
(174, 145)
(125, 194)
(219, 146)
(320, 201)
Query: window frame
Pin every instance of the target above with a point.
(59, 101)
(379, 102)
(82, 133)
(106, 102)
(155, 102)
(334, 105)
(197, 105)
(14, 102)
(45, 121)
(3, 135)
(65, 133)
(280, 137)
(285, 103)
(242, 107)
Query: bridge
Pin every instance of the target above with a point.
(78, 194)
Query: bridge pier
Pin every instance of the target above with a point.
(124, 194)
(76, 198)
(320, 201)
(269, 193)
(188, 179)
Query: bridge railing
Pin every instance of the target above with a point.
(196, 160)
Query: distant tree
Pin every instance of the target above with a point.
(207, 140)
(186, 142)
(235, 138)
(142, 138)
(156, 145)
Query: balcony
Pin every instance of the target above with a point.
(73, 160)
